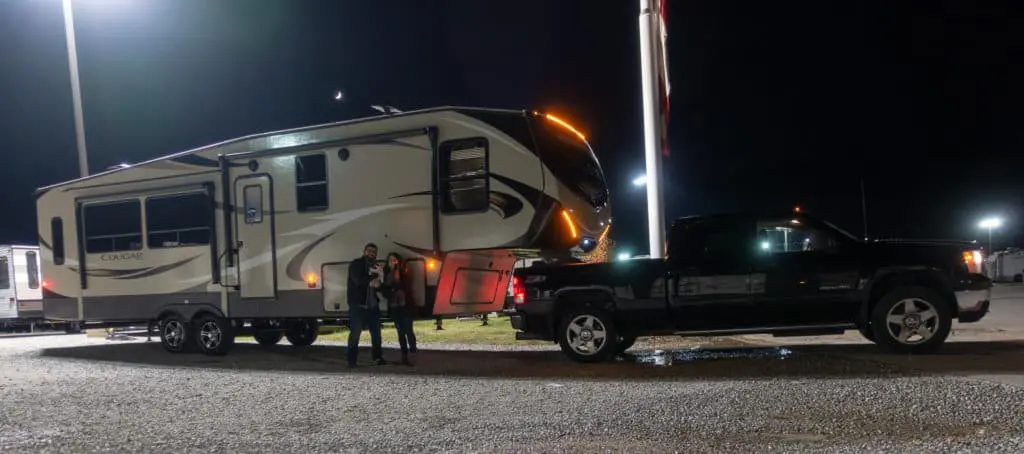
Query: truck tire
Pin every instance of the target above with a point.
(624, 343)
(912, 319)
(588, 335)
(867, 331)
(175, 333)
(214, 335)
(302, 333)
(268, 337)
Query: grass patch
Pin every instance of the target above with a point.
(498, 332)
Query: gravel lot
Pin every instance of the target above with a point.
(74, 394)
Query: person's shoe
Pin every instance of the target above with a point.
(379, 362)
(352, 365)
(405, 360)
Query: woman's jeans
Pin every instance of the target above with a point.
(406, 337)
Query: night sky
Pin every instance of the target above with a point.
(774, 104)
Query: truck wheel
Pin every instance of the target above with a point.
(303, 333)
(214, 335)
(588, 336)
(624, 343)
(911, 320)
(268, 338)
(175, 333)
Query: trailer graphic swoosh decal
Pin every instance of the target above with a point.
(133, 273)
(294, 268)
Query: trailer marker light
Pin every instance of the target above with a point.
(431, 264)
(311, 280)
(566, 126)
(572, 225)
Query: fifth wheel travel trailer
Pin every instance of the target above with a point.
(256, 233)
(21, 295)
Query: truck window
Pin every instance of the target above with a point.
(464, 176)
(178, 220)
(787, 236)
(718, 248)
(5, 273)
(113, 226)
(311, 182)
(32, 260)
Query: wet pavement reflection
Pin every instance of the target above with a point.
(684, 356)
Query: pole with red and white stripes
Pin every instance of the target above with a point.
(654, 81)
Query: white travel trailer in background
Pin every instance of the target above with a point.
(21, 295)
(257, 232)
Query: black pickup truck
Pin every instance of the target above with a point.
(783, 274)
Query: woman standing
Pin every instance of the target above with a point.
(401, 306)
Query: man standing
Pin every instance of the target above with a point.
(364, 278)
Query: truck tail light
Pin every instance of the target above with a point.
(518, 290)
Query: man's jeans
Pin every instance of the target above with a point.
(360, 318)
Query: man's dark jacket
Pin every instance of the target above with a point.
(358, 282)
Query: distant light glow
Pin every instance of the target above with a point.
(640, 180)
(566, 126)
(339, 95)
(991, 223)
(765, 245)
(624, 256)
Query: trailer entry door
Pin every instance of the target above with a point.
(254, 218)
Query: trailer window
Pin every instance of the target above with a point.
(33, 269)
(252, 197)
(464, 176)
(112, 227)
(57, 234)
(311, 182)
(178, 220)
(5, 274)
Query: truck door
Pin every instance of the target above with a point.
(254, 221)
(710, 281)
(808, 278)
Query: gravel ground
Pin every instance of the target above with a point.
(72, 394)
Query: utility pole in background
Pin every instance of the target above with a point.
(76, 90)
(654, 82)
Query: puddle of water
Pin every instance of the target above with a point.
(674, 357)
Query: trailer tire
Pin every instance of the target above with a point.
(303, 333)
(214, 335)
(268, 337)
(175, 333)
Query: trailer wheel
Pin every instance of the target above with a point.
(268, 337)
(214, 335)
(175, 333)
(303, 333)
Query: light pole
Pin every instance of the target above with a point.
(990, 224)
(76, 91)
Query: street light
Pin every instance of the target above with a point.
(76, 90)
(990, 224)
(640, 180)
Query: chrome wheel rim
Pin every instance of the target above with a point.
(912, 321)
(210, 335)
(587, 335)
(174, 333)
